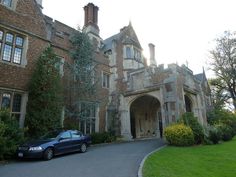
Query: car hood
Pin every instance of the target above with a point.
(37, 142)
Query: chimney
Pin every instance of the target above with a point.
(91, 18)
(152, 54)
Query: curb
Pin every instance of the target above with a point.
(140, 170)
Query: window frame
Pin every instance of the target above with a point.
(12, 6)
(88, 123)
(128, 53)
(17, 54)
(7, 5)
(60, 65)
(12, 96)
(105, 80)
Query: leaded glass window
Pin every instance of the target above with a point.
(88, 117)
(6, 100)
(16, 103)
(6, 2)
(11, 47)
(7, 52)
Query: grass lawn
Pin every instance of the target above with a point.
(198, 161)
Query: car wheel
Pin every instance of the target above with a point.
(83, 148)
(48, 154)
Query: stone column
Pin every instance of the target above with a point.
(97, 120)
(24, 101)
(125, 124)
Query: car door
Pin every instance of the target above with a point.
(64, 143)
(76, 140)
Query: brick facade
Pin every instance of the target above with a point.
(124, 80)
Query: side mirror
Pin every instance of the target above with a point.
(60, 139)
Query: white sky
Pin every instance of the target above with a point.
(182, 30)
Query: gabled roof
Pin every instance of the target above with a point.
(129, 39)
(199, 76)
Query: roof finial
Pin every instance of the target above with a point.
(130, 24)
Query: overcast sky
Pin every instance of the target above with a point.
(181, 30)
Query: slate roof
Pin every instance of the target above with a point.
(199, 77)
(108, 41)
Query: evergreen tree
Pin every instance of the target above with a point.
(82, 77)
(44, 106)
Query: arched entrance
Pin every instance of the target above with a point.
(188, 103)
(145, 117)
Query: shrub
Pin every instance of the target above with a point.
(179, 135)
(223, 117)
(230, 121)
(214, 134)
(226, 131)
(104, 137)
(191, 121)
(10, 135)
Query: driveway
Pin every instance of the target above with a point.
(112, 160)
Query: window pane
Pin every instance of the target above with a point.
(93, 110)
(76, 134)
(93, 126)
(6, 100)
(65, 135)
(108, 82)
(7, 3)
(19, 41)
(16, 103)
(7, 53)
(103, 81)
(9, 38)
(128, 52)
(1, 35)
(0, 46)
(17, 55)
(87, 126)
(82, 122)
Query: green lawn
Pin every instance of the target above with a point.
(198, 161)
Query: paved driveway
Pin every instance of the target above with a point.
(114, 160)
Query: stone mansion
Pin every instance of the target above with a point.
(133, 99)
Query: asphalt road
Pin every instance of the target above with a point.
(112, 160)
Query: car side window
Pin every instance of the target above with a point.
(66, 135)
(76, 134)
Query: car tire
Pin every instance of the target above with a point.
(48, 154)
(83, 148)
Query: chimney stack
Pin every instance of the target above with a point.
(91, 18)
(152, 54)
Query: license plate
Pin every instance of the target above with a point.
(20, 154)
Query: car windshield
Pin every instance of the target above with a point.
(51, 135)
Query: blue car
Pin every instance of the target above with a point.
(55, 143)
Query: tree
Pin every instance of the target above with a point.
(44, 106)
(82, 79)
(219, 97)
(224, 66)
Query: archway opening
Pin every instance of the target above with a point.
(188, 103)
(145, 116)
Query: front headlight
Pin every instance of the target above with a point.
(38, 148)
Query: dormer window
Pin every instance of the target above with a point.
(137, 54)
(7, 3)
(128, 52)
